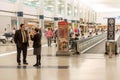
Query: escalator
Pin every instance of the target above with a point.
(98, 49)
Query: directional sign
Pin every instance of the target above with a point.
(111, 29)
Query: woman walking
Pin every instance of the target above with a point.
(49, 35)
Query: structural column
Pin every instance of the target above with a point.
(78, 22)
(41, 14)
(20, 19)
(85, 19)
(73, 21)
(72, 10)
(73, 24)
(41, 21)
(65, 3)
(55, 22)
(56, 14)
(56, 8)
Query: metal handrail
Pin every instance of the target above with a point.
(88, 42)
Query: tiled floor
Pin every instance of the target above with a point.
(76, 67)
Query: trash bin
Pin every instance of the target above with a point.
(111, 47)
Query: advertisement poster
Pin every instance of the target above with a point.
(111, 29)
(63, 42)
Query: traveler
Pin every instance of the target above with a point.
(21, 41)
(36, 38)
(55, 36)
(49, 35)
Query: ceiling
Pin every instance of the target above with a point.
(103, 5)
(97, 5)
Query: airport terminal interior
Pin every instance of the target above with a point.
(76, 39)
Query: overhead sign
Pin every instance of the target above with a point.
(111, 29)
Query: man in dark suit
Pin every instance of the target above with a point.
(21, 41)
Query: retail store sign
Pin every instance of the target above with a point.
(111, 29)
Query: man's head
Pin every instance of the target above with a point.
(22, 26)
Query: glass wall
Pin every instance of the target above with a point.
(69, 10)
(75, 12)
(12, 0)
(33, 3)
(61, 7)
(49, 5)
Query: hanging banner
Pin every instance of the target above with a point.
(63, 39)
(111, 29)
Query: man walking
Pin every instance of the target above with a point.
(21, 41)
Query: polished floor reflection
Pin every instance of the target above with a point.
(77, 67)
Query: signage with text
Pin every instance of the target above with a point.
(111, 29)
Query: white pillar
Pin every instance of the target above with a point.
(88, 15)
(92, 15)
(41, 14)
(20, 19)
(55, 22)
(73, 22)
(56, 14)
(65, 3)
(41, 21)
(78, 12)
(73, 11)
(56, 8)
(95, 17)
(78, 23)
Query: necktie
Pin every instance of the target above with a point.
(23, 37)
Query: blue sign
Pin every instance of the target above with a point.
(73, 21)
(20, 14)
(41, 17)
(55, 18)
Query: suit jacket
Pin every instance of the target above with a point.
(36, 40)
(18, 38)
